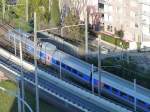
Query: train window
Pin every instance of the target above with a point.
(74, 71)
(85, 77)
(123, 95)
(149, 107)
(141, 103)
(63, 65)
(106, 86)
(131, 99)
(57, 62)
(95, 82)
(80, 74)
(53, 61)
(68, 68)
(115, 91)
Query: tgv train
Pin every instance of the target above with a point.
(111, 85)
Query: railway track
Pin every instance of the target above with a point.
(4, 43)
(6, 27)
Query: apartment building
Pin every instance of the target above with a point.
(131, 16)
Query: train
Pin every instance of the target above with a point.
(112, 85)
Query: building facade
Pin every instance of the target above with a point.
(130, 16)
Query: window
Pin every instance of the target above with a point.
(68, 68)
(141, 103)
(149, 107)
(107, 87)
(57, 63)
(115, 91)
(80, 74)
(123, 95)
(87, 78)
(63, 65)
(74, 71)
(131, 99)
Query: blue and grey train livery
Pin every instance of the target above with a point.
(80, 70)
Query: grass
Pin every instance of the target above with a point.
(9, 103)
(115, 41)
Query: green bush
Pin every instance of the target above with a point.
(115, 41)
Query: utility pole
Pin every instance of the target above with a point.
(60, 66)
(92, 79)
(49, 5)
(22, 76)
(99, 64)
(135, 96)
(27, 10)
(86, 31)
(3, 2)
(18, 96)
(15, 46)
(35, 62)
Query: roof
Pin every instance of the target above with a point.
(48, 47)
(20, 32)
(125, 86)
(73, 62)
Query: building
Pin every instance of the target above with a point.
(80, 6)
(130, 16)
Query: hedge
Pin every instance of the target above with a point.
(115, 41)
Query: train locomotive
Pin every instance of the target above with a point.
(110, 84)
